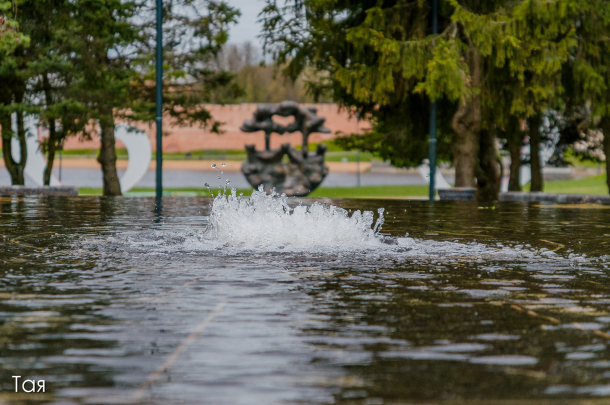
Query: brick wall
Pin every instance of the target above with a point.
(187, 139)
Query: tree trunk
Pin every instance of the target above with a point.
(107, 157)
(7, 150)
(52, 143)
(51, 148)
(23, 147)
(489, 168)
(466, 124)
(605, 124)
(534, 133)
(515, 143)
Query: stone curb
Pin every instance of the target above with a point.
(555, 198)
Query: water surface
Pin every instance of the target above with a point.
(475, 305)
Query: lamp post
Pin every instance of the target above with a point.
(159, 99)
(433, 116)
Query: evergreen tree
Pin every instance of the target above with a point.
(195, 32)
(12, 90)
(382, 53)
(38, 78)
(91, 61)
(368, 57)
(10, 36)
(51, 75)
(116, 70)
(589, 71)
(100, 41)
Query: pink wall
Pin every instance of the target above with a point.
(194, 138)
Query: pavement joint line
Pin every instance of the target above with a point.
(556, 321)
(173, 290)
(561, 246)
(15, 241)
(138, 395)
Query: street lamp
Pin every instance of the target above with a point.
(433, 115)
(159, 99)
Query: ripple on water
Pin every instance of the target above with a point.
(266, 223)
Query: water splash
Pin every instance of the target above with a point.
(267, 220)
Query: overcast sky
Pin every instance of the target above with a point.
(246, 28)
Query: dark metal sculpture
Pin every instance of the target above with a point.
(302, 172)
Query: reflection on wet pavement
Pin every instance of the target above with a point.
(98, 295)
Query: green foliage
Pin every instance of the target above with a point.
(591, 63)
(446, 73)
(80, 63)
(321, 192)
(370, 192)
(380, 58)
(194, 34)
(10, 37)
(368, 56)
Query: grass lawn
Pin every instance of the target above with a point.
(591, 185)
(371, 192)
(171, 192)
(595, 185)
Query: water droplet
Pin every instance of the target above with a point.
(213, 165)
(222, 172)
(207, 185)
(218, 177)
(224, 165)
(227, 181)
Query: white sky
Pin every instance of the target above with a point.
(246, 28)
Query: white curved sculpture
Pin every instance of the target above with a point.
(140, 155)
(440, 183)
(137, 144)
(36, 162)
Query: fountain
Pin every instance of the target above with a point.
(302, 172)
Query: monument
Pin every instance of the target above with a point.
(288, 170)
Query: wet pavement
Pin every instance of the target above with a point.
(118, 300)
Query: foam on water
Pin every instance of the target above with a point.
(267, 221)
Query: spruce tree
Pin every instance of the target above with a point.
(38, 77)
(590, 68)
(379, 53)
(100, 41)
(13, 77)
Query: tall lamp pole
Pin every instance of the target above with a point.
(433, 116)
(159, 88)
